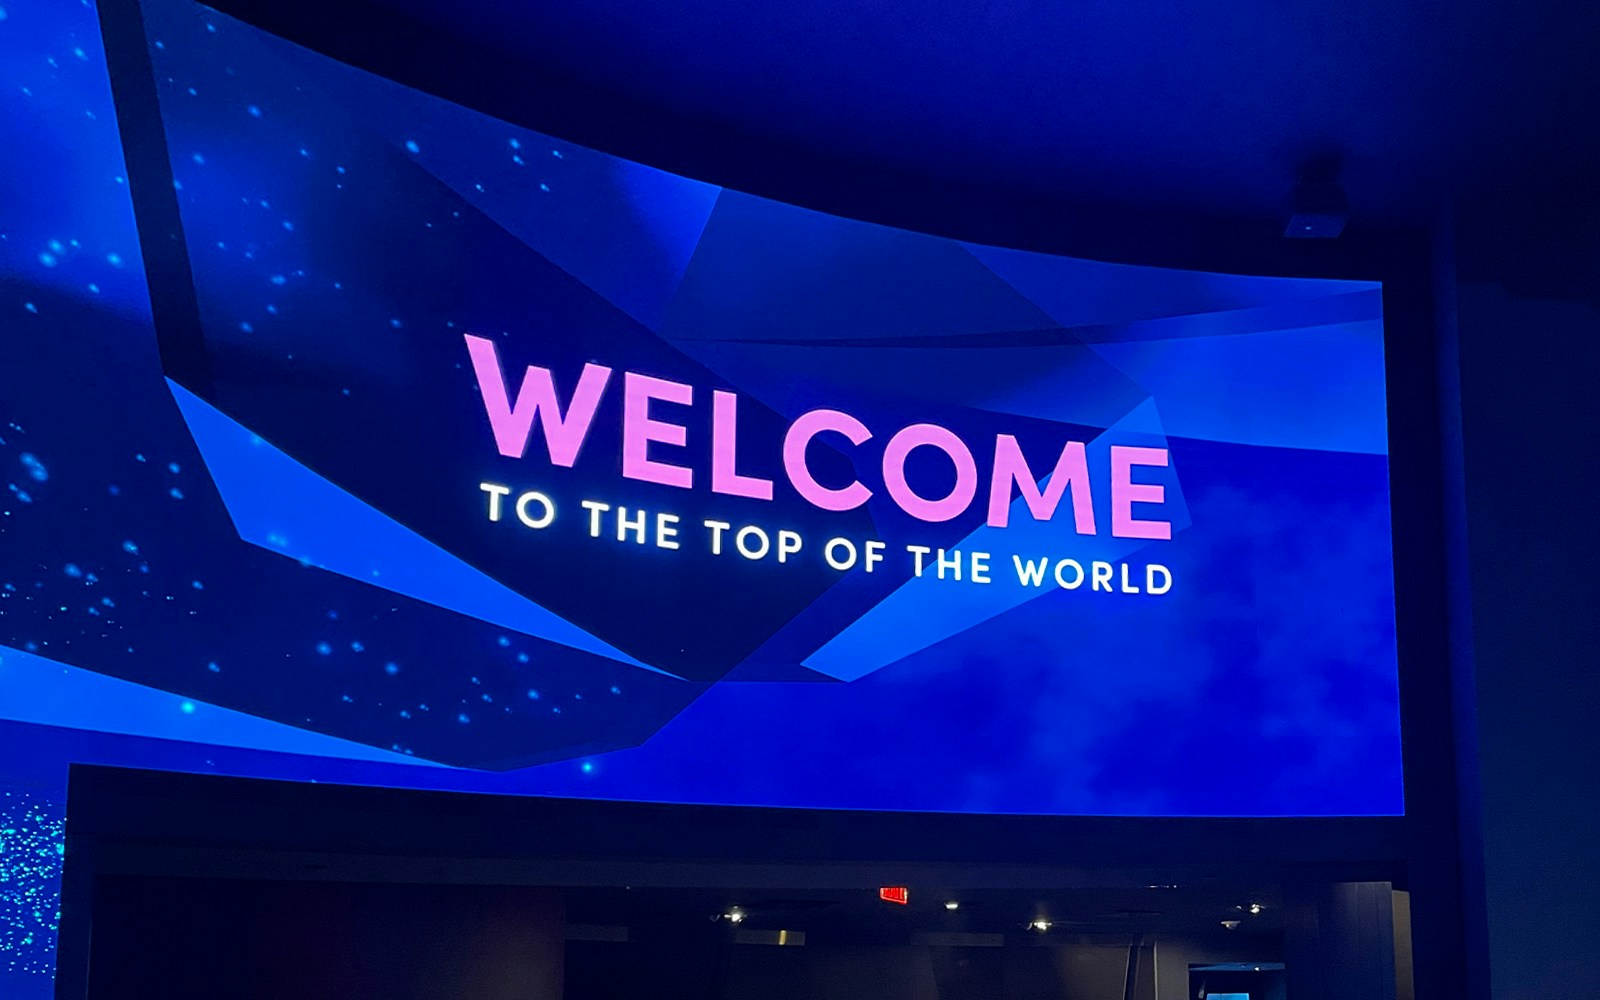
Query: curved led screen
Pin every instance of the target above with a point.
(457, 456)
(578, 477)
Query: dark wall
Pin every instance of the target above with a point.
(1339, 941)
(200, 939)
(1528, 319)
(1174, 957)
(941, 973)
(882, 973)
(857, 972)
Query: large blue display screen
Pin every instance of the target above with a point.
(462, 457)
(578, 477)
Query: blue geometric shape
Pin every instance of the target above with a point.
(1295, 314)
(284, 507)
(766, 270)
(1280, 387)
(926, 610)
(648, 221)
(37, 690)
(625, 230)
(885, 384)
(673, 212)
(1089, 293)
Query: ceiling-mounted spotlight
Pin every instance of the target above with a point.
(1040, 925)
(1255, 909)
(1231, 925)
(734, 915)
(952, 905)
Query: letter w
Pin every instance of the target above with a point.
(513, 422)
(1030, 574)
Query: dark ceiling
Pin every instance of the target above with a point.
(1205, 106)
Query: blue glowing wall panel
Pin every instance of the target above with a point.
(287, 566)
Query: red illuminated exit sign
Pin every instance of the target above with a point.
(895, 894)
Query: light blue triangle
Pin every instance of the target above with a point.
(926, 610)
(284, 507)
(41, 691)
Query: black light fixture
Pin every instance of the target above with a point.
(1318, 207)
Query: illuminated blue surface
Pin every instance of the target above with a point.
(151, 617)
